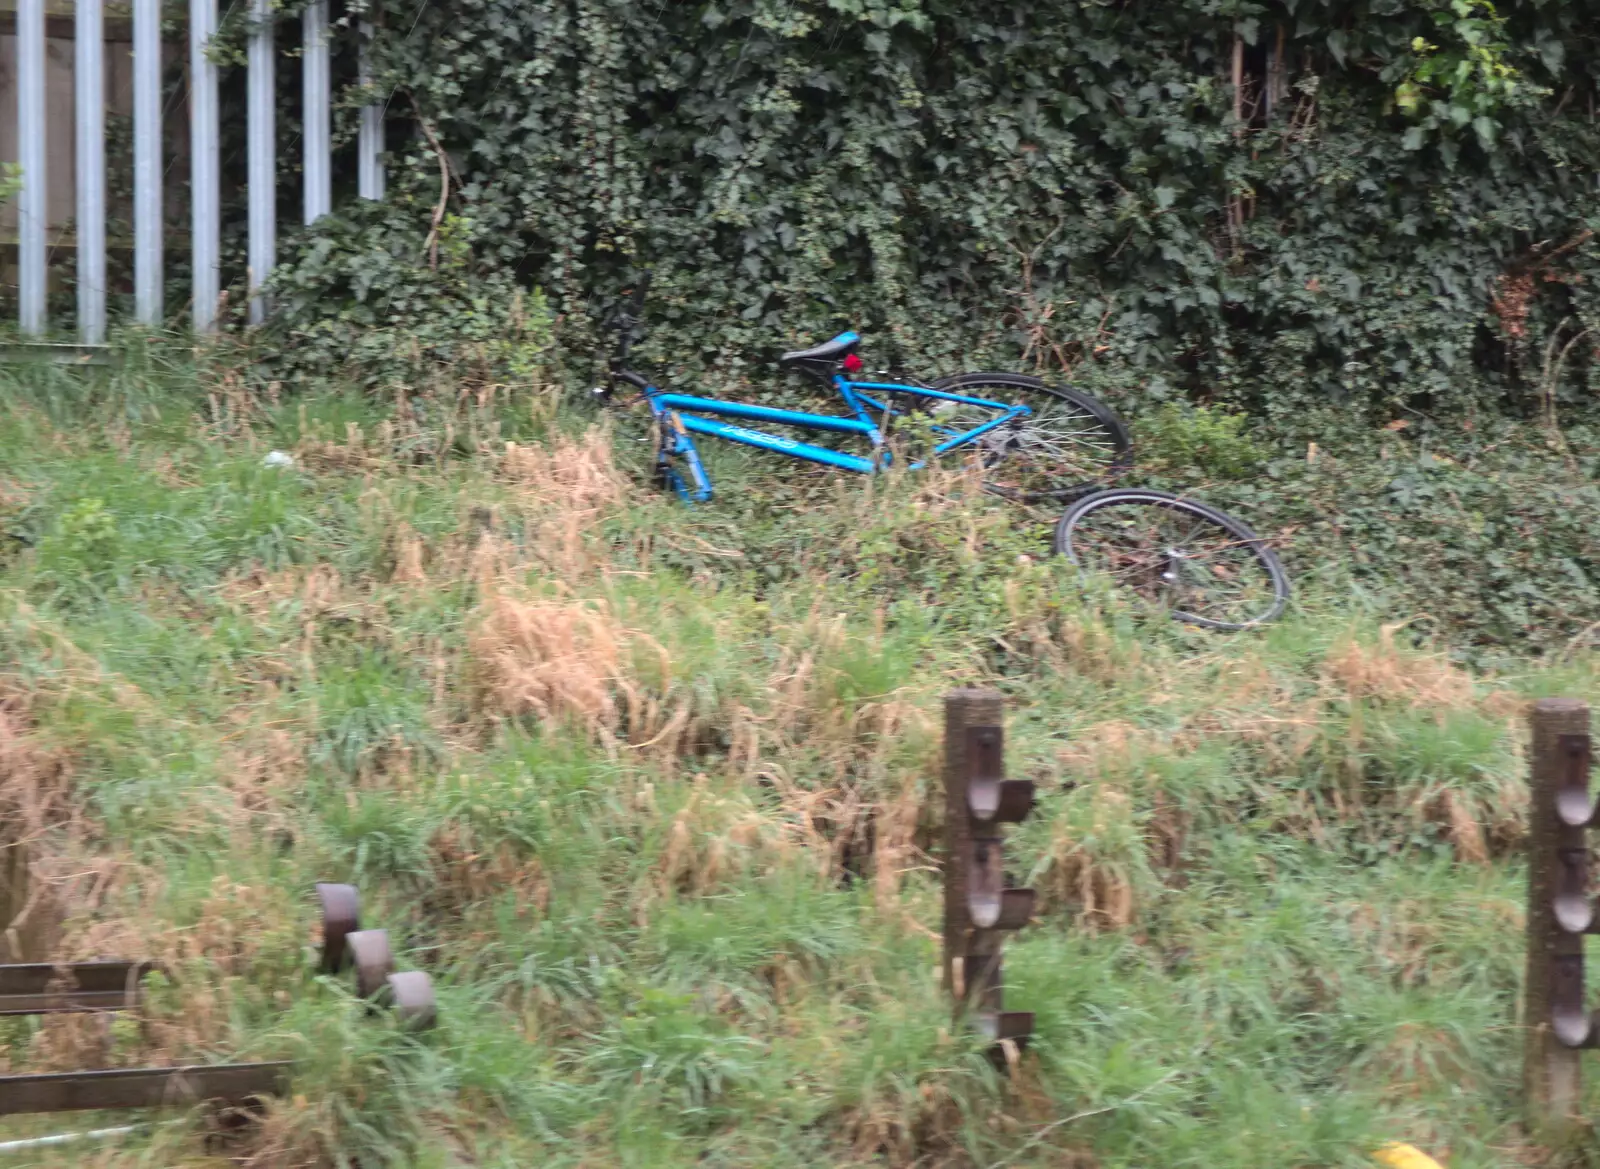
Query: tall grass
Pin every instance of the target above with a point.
(653, 794)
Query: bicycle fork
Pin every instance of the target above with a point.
(676, 444)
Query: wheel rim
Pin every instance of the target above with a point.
(1056, 449)
(1176, 555)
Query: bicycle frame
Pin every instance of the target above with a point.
(681, 417)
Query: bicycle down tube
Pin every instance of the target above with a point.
(669, 409)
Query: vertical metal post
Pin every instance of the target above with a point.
(370, 177)
(89, 68)
(263, 156)
(148, 198)
(978, 909)
(962, 708)
(1556, 1022)
(33, 204)
(205, 152)
(316, 104)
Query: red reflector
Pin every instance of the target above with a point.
(852, 363)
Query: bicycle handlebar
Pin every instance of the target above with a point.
(625, 319)
(643, 287)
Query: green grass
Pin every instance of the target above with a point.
(652, 793)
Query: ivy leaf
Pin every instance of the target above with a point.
(1337, 45)
(1552, 52)
(1413, 139)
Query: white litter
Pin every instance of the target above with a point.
(278, 459)
(66, 1138)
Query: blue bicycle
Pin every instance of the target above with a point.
(1035, 442)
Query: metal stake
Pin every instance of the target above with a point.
(1556, 1019)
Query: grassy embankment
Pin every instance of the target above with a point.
(652, 792)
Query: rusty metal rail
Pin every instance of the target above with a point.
(45, 988)
(979, 909)
(229, 1083)
(41, 988)
(344, 943)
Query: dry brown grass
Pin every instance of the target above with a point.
(560, 662)
(1389, 673)
(577, 473)
(574, 663)
(356, 451)
(1090, 867)
(1039, 632)
(919, 1127)
(1121, 828)
(566, 487)
(35, 811)
(716, 839)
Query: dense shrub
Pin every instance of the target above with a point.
(1370, 216)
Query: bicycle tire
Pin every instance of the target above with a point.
(1160, 572)
(1103, 449)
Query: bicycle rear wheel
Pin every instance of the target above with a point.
(1204, 566)
(1068, 444)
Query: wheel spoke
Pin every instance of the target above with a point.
(1058, 447)
(1176, 555)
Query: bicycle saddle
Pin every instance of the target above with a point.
(825, 354)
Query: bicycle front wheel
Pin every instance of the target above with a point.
(1067, 444)
(1202, 565)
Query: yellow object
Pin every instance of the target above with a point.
(1399, 1156)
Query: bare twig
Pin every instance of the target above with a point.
(1551, 380)
(432, 244)
(1235, 203)
(1038, 1138)
(1035, 319)
(1577, 640)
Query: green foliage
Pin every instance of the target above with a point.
(1472, 79)
(378, 300)
(10, 181)
(1486, 536)
(978, 183)
(1199, 443)
(86, 532)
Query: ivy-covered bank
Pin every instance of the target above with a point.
(1267, 202)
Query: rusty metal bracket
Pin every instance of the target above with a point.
(991, 798)
(1572, 911)
(344, 943)
(341, 917)
(43, 988)
(411, 994)
(369, 950)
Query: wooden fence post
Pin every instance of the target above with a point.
(1556, 1020)
(978, 909)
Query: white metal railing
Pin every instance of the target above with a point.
(32, 202)
(204, 153)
